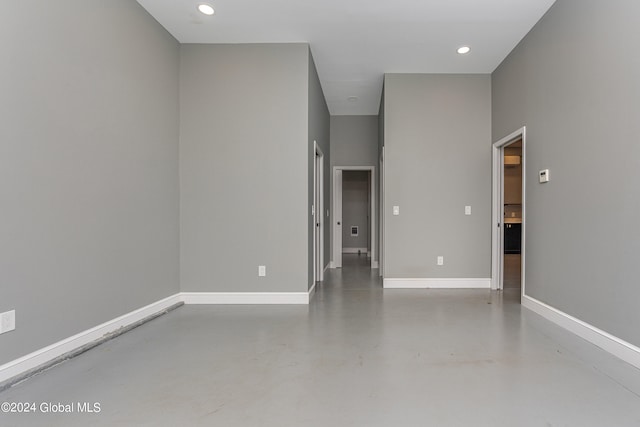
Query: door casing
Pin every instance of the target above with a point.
(336, 229)
(318, 218)
(497, 216)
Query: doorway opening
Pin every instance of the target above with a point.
(354, 214)
(508, 236)
(318, 209)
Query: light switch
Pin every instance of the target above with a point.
(262, 270)
(467, 210)
(396, 210)
(544, 176)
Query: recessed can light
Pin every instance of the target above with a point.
(352, 98)
(206, 9)
(464, 49)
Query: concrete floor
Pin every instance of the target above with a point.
(358, 355)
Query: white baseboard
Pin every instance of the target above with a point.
(54, 351)
(614, 345)
(436, 283)
(245, 297)
(354, 250)
(328, 266)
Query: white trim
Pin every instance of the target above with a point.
(609, 343)
(336, 219)
(374, 264)
(53, 351)
(337, 233)
(381, 228)
(326, 267)
(436, 283)
(245, 297)
(355, 250)
(318, 212)
(497, 210)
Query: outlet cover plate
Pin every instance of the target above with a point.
(7, 321)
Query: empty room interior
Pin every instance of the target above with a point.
(246, 213)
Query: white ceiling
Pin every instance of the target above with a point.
(354, 42)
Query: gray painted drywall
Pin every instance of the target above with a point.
(355, 208)
(574, 83)
(437, 130)
(88, 167)
(244, 167)
(354, 142)
(318, 131)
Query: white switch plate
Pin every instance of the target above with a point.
(467, 210)
(7, 321)
(262, 270)
(396, 210)
(440, 260)
(544, 175)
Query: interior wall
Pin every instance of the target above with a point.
(244, 167)
(318, 131)
(437, 139)
(574, 84)
(88, 166)
(355, 209)
(354, 142)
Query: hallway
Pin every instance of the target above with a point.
(358, 355)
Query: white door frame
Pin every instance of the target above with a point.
(381, 239)
(336, 230)
(317, 210)
(497, 216)
(336, 225)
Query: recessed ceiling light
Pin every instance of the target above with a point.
(464, 49)
(206, 9)
(352, 98)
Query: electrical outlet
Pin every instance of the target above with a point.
(7, 321)
(440, 260)
(262, 270)
(467, 210)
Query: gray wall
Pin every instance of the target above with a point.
(574, 83)
(318, 131)
(355, 208)
(437, 136)
(244, 167)
(354, 142)
(88, 166)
